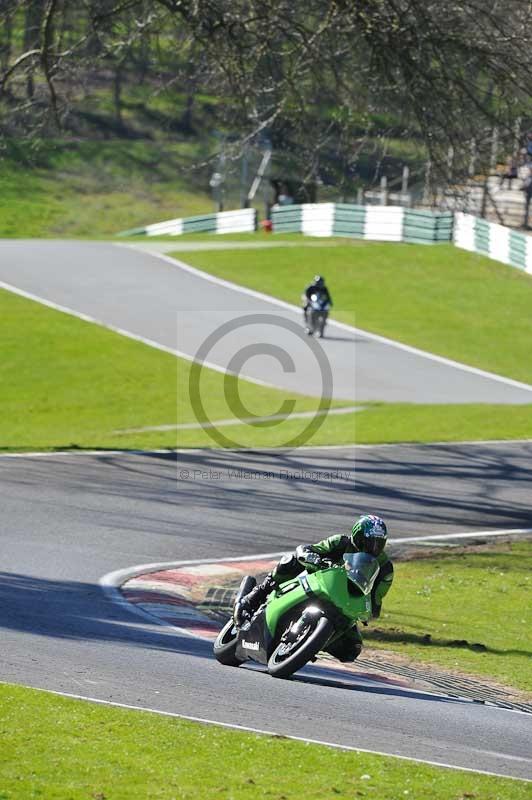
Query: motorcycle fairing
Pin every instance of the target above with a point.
(254, 639)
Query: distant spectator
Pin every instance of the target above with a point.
(527, 189)
(528, 146)
(510, 172)
(285, 198)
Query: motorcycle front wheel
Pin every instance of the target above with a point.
(225, 646)
(288, 657)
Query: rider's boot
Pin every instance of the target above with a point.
(247, 606)
(305, 321)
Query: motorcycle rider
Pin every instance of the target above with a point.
(368, 535)
(316, 287)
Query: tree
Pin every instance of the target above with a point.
(326, 73)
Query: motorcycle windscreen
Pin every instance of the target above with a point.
(362, 569)
(318, 301)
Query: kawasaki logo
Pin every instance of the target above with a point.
(250, 645)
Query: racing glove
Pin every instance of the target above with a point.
(308, 557)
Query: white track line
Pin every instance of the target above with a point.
(340, 325)
(112, 580)
(267, 450)
(123, 332)
(261, 732)
(187, 426)
(463, 535)
(267, 298)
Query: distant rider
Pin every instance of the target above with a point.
(369, 535)
(316, 287)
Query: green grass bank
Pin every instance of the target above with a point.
(469, 611)
(98, 188)
(59, 748)
(438, 298)
(67, 383)
(70, 384)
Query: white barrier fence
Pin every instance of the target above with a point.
(243, 220)
(493, 240)
(384, 223)
(317, 219)
(378, 223)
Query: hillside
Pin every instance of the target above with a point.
(96, 188)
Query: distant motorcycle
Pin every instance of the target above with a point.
(301, 617)
(317, 313)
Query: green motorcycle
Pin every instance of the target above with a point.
(301, 617)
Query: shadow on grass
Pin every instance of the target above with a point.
(426, 640)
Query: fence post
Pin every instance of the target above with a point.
(426, 185)
(244, 169)
(450, 161)
(405, 199)
(384, 191)
(472, 157)
(517, 137)
(494, 149)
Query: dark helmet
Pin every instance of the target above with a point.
(369, 534)
(319, 281)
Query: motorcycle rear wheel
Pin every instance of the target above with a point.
(284, 662)
(225, 646)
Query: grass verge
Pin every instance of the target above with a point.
(67, 383)
(441, 299)
(59, 747)
(383, 423)
(470, 611)
(70, 384)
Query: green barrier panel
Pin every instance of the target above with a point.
(287, 219)
(423, 223)
(427, 235)
(354, 231)
(288, 227)
(482, 236)
(518, 249)
(349, 210)
(281, 211)
(204, 223)
(417, 237)
(426, 227)
(349, 220)
(422, 229)
(132, 232)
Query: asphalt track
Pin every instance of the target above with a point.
(69, 519)
(157, 299)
